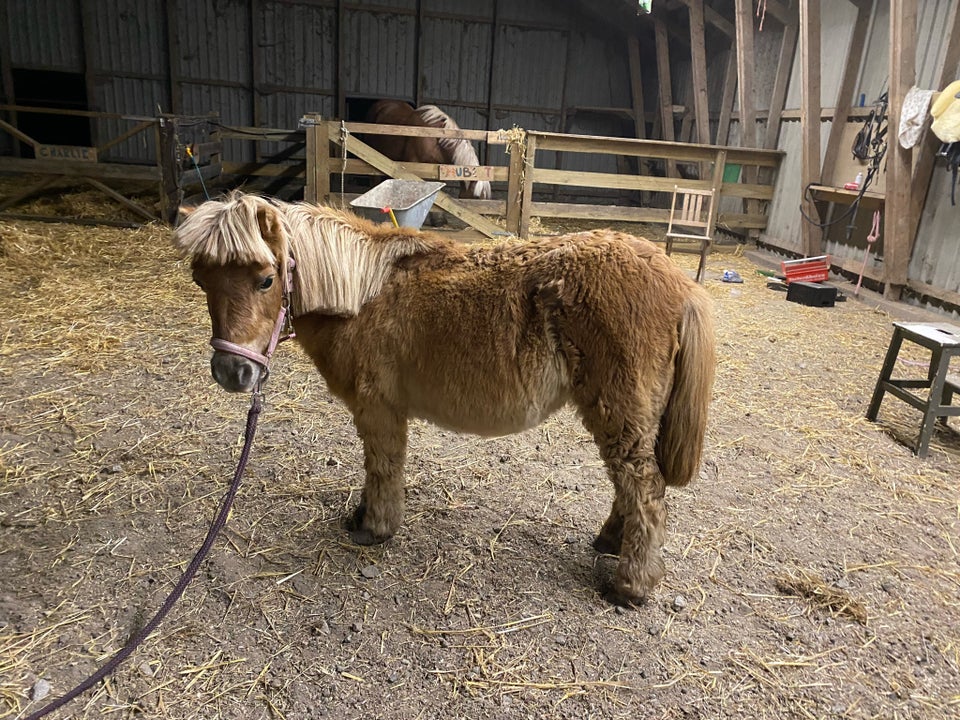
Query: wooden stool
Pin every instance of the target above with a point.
(943, 340)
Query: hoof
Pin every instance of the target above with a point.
(362, 536)
(606, 545)
(618, 597)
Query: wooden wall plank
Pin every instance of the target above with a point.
(898, 228)
(173, 58)
(788, 48)
(844, 95)
(810, 118)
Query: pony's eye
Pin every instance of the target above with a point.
(266, 282)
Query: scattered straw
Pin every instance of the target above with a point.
(820, 595)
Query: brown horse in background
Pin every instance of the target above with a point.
(486, 339)
(443, 151)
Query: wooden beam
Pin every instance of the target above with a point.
(899, 226)
(698, 60)
(125, 201)
(788, 48)
(746, 57)
(745, 60)
(930, 143)
(781, 12)
(666, 91)
(726, 103)
(810, 118)
(636, 87)
(714, 18)
(844, 94)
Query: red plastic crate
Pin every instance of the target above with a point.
(811, 269)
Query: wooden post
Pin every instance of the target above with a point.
(719, 165)
(745, 60)
(844, 95)
(899, 225)
(526, 197)
(515, 186)
(317, 181)
(698, 59)
(745, 94)
(810, 118)
(168, 158)
(666, 92)
(636, 87)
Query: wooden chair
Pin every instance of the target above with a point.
(692, 212)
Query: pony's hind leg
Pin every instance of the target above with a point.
(640, 488)
(636, 527)
(380, 512)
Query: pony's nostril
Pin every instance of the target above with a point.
(244, 375)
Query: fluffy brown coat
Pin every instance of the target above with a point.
(483, 339)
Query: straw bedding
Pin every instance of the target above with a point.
(813, 568)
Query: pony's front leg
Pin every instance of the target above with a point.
(380, 512)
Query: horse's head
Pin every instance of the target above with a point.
(238, 250)
(478, 189)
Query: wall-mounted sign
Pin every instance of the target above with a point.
(66, 152)
(466, 173)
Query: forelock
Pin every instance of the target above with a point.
(225, 231)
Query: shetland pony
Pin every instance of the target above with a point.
(443, 151)
(485, 339)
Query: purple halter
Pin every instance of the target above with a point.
(282, 329)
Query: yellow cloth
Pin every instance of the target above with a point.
(946, 114)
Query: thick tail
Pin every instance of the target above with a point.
(684, 421)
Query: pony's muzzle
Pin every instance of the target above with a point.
(235, 373)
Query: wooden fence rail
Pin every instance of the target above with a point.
(352, 156)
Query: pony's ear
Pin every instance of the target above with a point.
(271, 227)
(183, 212)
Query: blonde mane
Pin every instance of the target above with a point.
(223, 232)
(342, 261)
(460, 150)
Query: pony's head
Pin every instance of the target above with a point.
(238, 248)
(458, 151)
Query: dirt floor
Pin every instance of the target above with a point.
(812, 570)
